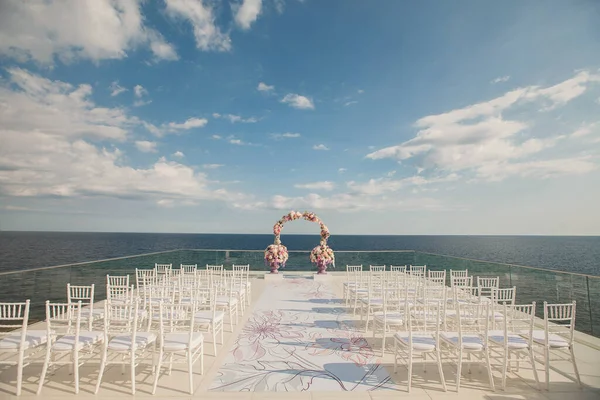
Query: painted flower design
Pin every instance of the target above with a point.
(348, 345)
(263, 331)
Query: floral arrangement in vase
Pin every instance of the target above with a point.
(276, 254)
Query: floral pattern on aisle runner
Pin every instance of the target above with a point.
(299, 338)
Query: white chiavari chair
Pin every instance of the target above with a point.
(392, 317)
(85, 294)
(226, 298)
(558, 337)
(67, 343)
(462, 273)
(421, 339)
(209, 319)
(178, 340)
(471, 337)
(509, 342)
(377, 268)
(437, 277)
(417, 270)
(144, 277)
(119, 294)
(398, 268)
(123, 339)
(215, 269)
(240, 286)
(500, 297)
(244, 270)
(16, 339)
(161, 270)
(354, 275)
(117, 280)
(373, 301)
(486, 286)
(188, 269)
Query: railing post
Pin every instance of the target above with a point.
(589, 299)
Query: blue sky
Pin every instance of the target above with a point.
(387, 117)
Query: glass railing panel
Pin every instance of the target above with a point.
(593, 283)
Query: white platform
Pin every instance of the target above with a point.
(273, 277)
(320, 277)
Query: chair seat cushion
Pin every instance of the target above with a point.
(394, 318)
(469, 341)
(123, 342)
(67, 342)
(555, 341)
(33, 338)
(514, 341)
(180, 341)
(207, 316)
(224, 300)
(420, 341)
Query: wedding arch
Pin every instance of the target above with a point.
(276, 254)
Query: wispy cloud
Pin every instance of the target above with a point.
(235, 118)
(140, 93)
(500, 79)
(178, 154)
(287, 135)
(323, 185)
(349, 103)
(212, 166)
(116, 89)
(320, 147)
(342, 170)
(263, 87)
(247, 13)
(174, 127)
(298, 101)
(146, 146)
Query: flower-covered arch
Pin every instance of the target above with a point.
(276, 254)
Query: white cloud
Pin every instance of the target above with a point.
(212, 166)
(324, 185)
(320, 147)
(541, 169)
(500, 79)
(73, 29)
(146, 146)
(178, 154)
(360, 91)
(237, 142)
(263, 87)
(236, 118)
(208, 36)
(57, 108)
(247, 12)
(287, 135)
(140, 91)
(298, 101)
(380, 186)
(342, 170)
(116, 89)
(584, 130)
(476, 136)
(217, 137)
(190, 123)
(349, 103)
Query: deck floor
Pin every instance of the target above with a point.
(298, 341)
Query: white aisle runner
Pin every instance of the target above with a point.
(300, 338)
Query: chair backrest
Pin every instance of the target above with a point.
(121, 318)
(486, 286)
(559, 319)
(376, 268)
(462, 273)
(173, 274)
(188, 269)
(473, 318)
(436, 274)
(463, 290)
(417, 270)
(85, 294)
(398, 268)
(242, 272)
(215, 269)
(144, 277)
(119, 294)
(117, 280)
(376, 284)
(60, 318)
(518, 319)
(424, 318)
(461, 281)
(161, 269)
(504, 296)
(176, 318)
(14, 316)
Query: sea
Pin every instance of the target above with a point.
(24, 250)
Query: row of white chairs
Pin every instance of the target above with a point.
(429, 319)
(166, 317)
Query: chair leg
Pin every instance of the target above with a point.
(458, 370)
(382, 339)
(441, 370)
(190, 372)
(535, 373)
(547, 365)
(214, 339)
(489, 369)
(410, 368)
(76, 370)
(160, 358)
(575, 366)
(102, 366)
(505, 368)
(20, 372)
(202, 359)
(395, 356)
(132, 363)
(44, 369)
